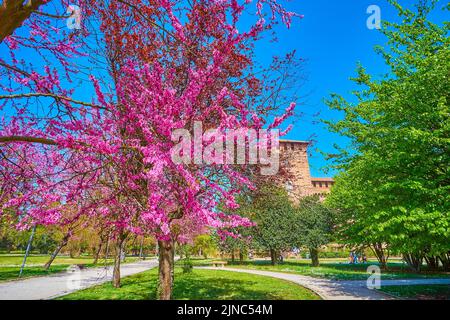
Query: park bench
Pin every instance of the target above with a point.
(217, 264)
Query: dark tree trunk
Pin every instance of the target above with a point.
(101, 245)
(141, 249)
(445, 260)
(233, 258)
(380, 253)
(432, 262)
(116, 271)
(123, 255)
(241, 255)
(117, 260)
(13, 13)
(414, 261)
(273, 257)
(166, 265)
(107, 249)
(314, 252)
(55, 253)
(97, 252)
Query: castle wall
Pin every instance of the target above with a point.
(294, 158)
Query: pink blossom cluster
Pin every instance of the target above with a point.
(110, 157)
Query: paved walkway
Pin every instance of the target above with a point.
(62, 283)
(338, 290)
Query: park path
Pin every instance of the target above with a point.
(338, 290)
(58, 284)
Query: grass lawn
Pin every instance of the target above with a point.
(12, 273)
(419, 292)
(330, 268)
(199, 285)
(10, 265)
(40, 260)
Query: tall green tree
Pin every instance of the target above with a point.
(276, 229)
(240, 243)
(394, 192)
(315, 226)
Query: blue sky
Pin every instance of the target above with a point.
(333, 38)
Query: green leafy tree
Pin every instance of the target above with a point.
(275, 218)
(241, 243)
(45, 240)
(204, 245)
(394, 192)
(357, 223)
(315, 226)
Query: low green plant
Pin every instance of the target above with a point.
(187, 266)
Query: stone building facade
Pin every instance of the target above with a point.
(299, 183)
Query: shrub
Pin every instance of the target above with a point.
(187, 266)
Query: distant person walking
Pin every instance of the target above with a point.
(363, 258)
(355, 258)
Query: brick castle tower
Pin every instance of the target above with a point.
(294, 159)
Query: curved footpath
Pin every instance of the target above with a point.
(338, 290)
(58, 284)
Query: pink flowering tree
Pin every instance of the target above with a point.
(169, 65)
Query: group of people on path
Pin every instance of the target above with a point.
(354, 258)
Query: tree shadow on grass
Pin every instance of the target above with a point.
(218, 288)
(198, 285)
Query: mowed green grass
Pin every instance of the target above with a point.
(419, 292)
(10, 265)
(199, 285)
(12, 273)
(40, 260)
(336, 269)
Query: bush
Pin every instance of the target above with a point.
(187, 266)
